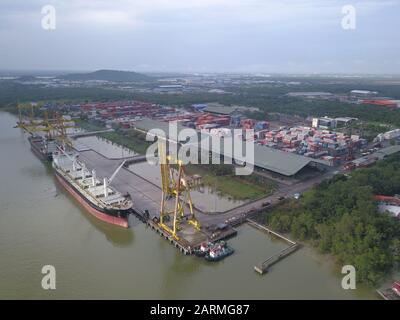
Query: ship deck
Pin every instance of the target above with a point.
(83, 178)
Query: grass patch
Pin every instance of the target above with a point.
(89, 126)
(129, 139)
(234, 186)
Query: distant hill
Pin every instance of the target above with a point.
(107, 75)
(27, 78)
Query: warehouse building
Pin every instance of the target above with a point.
(265, 158)
(277, 161)
(145, 125)
(362, 93)
(220, 109)
(283, 163)
(311, 95)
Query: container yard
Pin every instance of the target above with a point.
(334, 147)
(316, 141)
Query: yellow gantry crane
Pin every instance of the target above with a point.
(174, 187)
(30, 123)
(54, 128)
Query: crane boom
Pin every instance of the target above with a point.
(116, 172)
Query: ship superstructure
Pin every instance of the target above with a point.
(43, 147)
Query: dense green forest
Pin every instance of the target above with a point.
(12, 92)
(340, 217)
(304, 108)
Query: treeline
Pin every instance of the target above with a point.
(12, 92)
(304, 108)
(268, 98)
(340, 217)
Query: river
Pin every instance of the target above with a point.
(42, 225)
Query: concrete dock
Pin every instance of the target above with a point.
(146, 197)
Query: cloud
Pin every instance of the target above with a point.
(200, 34)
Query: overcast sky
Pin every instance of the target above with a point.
(289, 36)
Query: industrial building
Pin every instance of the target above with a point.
(265, 158)
(385, 152)
(331, 123)
(145, 125)
(311, 95)
(388, 204)
(362, 93)
(382, 102)
(171, 88)
(220, 109)
(371, 159)
(324, 123)
(281, 162)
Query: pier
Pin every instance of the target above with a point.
(264, 265)
(146, 197)
(189, 238)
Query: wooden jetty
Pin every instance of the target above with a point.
(264, 265)
(268, 230)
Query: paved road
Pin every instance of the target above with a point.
(284, 191)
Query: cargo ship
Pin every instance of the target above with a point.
(43, 147)
(98, 198)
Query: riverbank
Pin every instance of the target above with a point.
(340, 217)
(129, 138)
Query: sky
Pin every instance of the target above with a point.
(250, 36)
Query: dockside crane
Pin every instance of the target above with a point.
(107, 181)
(54, 128)
(174, 186)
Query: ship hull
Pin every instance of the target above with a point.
(45, 157)
(121, 221)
